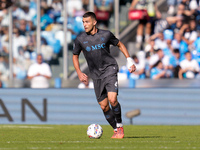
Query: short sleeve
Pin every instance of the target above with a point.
(77, 47)
(113, 40)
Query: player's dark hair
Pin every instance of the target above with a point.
(90, 14)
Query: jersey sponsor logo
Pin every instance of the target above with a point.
(98, 46)
(95, 47)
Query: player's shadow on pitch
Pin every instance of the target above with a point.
(135, 137)
(146, 137)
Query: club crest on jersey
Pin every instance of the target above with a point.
(102, 39)
(88, 48)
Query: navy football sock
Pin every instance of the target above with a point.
(117, 112)
(110, 118)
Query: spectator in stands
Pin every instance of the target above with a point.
(31, 42)
(196, 43)
(175, 62)
(19, 71)
(28, 13)
(168, 36)
(103, 10)
(172, 6)
(190, 7)
(46, 51)
(22, 27)
(158, 71)
(4, 68)
(190, 33)
(27, 61)
(4, 18)
(189, 67)
(19, 41)
(45, 19)
(140, 68)
(39, 73)
(30, 27)
(74, 6)
(153, 13)
(17, 11)
(185, 10)
(176, 23)
(147, 65)
(4, 41)
(150, 47)
(178, 43)
(85, 5)
(159, 55)
(160, 42)
(57, 9)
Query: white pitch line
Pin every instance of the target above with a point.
(50, 142)
(7, 148)
(31, 127)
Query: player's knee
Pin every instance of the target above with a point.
(104, 108)
(113, 102)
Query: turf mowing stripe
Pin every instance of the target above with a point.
(100, 147)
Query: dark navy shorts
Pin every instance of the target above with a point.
(103, 86)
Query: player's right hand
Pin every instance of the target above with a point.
(83, 77)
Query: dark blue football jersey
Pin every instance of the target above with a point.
(96, 49)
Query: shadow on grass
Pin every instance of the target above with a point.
(146, 137)
(143, 137)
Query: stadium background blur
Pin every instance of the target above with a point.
(168, 100)
(166, 34)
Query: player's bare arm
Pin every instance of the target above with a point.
(130, 62)
(82, 76)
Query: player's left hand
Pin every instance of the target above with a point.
(132, 69)
(130, 64)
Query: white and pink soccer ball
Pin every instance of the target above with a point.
(94, 131)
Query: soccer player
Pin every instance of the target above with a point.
(95, 43)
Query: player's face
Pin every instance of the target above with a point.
(89, 24)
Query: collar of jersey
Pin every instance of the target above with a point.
(95, 33)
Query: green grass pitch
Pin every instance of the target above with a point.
(61, 137)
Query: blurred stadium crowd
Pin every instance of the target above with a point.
(171, 51)
(24, 33)
(24, 14)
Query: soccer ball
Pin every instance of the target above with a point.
(94, 131)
